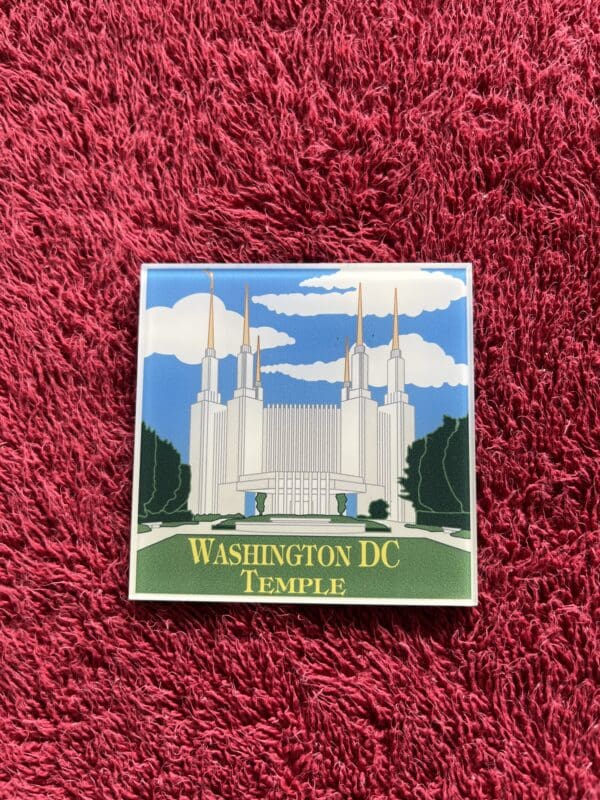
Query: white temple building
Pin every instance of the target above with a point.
(300, 456)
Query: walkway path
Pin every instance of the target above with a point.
(397, 529)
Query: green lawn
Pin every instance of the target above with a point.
(429, 528)
(436, 529)
(370, 524)
(176, 524)
(427, 569)
(461, 534)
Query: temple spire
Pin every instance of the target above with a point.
(257, 375)
(210, 364)
(395, 339)
(211, 321)
(246, 334)
(245, 361)
(210, 343)
(359, 374)
(395, 366)
(347, 365)
(359, 322)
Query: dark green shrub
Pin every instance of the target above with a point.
(379, 509)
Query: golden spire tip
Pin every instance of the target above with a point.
(395, 339)
(246, 334)
(359, 322)
(211, 323)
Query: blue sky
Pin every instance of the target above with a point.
(170, 386)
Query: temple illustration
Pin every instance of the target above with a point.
(300, 456)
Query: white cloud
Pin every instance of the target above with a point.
(418, 291)
(427, 365)
(181, 331)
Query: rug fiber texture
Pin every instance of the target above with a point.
(289, 131)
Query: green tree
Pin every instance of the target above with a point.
(342, 502)
(379, 509)
(260, 502)
(146, 469)
(437, 474)
(179, 501)
(164, 480)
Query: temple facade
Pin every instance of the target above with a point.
(300, 456)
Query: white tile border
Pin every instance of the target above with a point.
(133, 595)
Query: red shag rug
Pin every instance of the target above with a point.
(359, 130)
